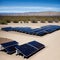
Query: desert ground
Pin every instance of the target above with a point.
(51, 42)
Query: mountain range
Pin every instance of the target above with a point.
(47, 13)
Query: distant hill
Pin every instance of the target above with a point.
(48, 13)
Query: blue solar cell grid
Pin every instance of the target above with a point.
(8, 44)
(37, 31)
(30, 48)
(26, 50)
(36, 44)
(10, 50)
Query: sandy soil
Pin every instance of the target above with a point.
(51, 41)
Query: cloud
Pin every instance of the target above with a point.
(22, 9)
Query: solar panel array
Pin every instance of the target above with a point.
(29, 49)
(26, 50)
(37, 31)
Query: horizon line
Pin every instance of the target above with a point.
(20, 9)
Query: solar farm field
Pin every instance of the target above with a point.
(51, 41)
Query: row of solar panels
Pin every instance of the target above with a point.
(25, 50)
(37, 31)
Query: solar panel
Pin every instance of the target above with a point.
(52, 29)
(18, 29)
(50, 26)
(47, 26)
(29, 31)
(37, 30)
(7, 29)
(36, 44)
(47, 29)
(10, 50)
(40, 29)
(26, 50)
(25, 29)
(41, 33)
(15, 28)
(8, 44)
(29, 49)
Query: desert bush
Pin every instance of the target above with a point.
(15, 21)
(42, 21)
(33, 21)
(3, 22)
(56, 21)
(8, 21)
(50, 21)
(20, 21)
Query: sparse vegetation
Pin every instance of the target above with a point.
(33, 19)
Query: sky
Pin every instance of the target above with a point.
(21, 6)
